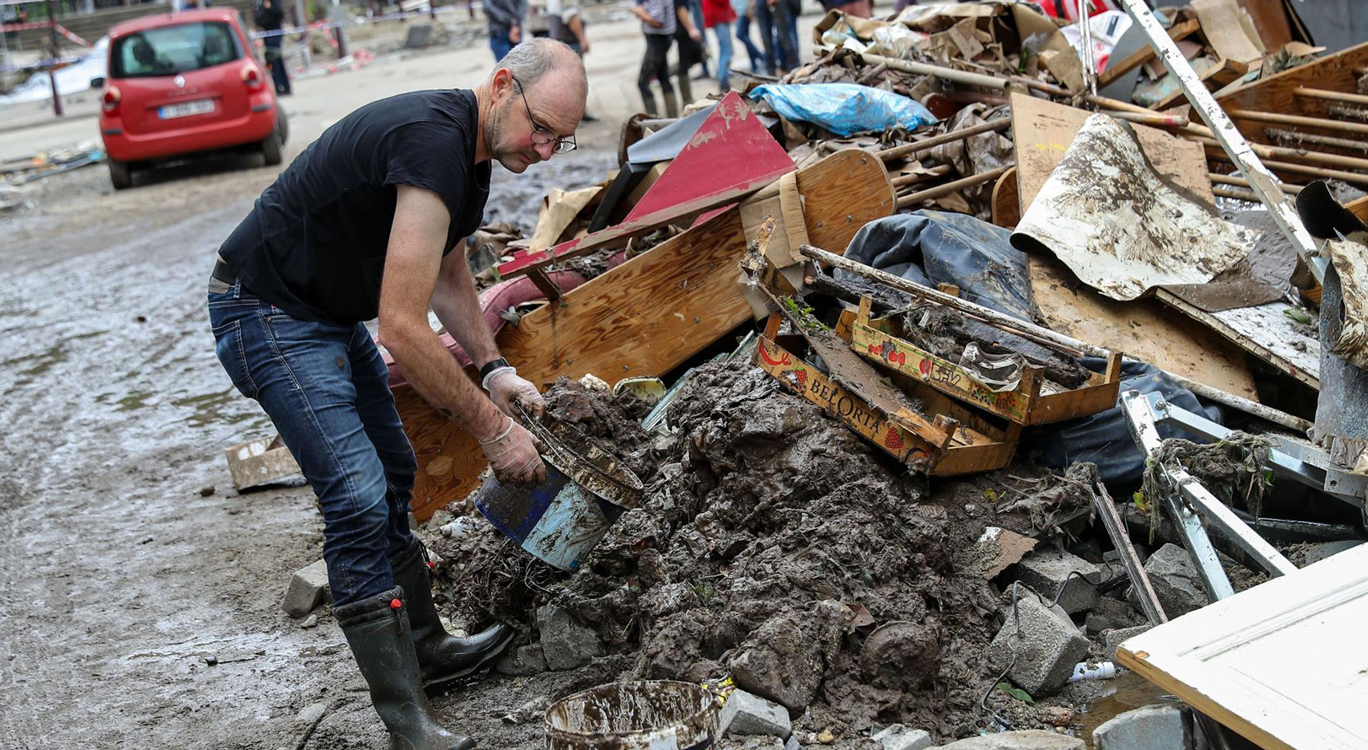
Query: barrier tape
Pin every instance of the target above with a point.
(30, 25)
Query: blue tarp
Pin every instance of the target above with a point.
(844, 108)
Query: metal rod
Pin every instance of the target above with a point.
(1298, 120)
(1120, 539)
(1042, 335)
(960, 76)
(1296, 136)
(1298, 169)
(1153, 119)
(1085, 43)
(1331, 96)
(1239, 195)
(899, 152)
(1145, 431)
(932, 173)
(950, 187)
(1262, 182)
(1225, 179)
(1347, 112)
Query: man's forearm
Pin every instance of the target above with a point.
(458, 308)
(434, 373)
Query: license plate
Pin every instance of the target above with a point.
(172, 111)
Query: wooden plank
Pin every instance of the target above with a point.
(1278, 93)
(1007, 201)
(1359, 206)
(842, 193)
(1263, 331)
(1044, 130)
(1117, 68)
(1281, 663)
(1144, 329)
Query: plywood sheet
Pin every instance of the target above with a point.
(1043, 131)
(1282, 663)
(1278, 93)
(1263, 331)
(842, 193)
(1143, 329)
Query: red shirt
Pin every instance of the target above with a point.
(717, 11)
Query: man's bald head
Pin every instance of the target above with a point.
(537, 59)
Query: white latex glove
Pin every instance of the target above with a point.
(508, 391)
(513, 454)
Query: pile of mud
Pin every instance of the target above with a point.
(772, 544)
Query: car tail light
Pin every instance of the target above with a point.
(111, 99)
(251, 75)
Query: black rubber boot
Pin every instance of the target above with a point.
(377, 630)
(442, 657)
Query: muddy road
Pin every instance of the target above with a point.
(127, 561)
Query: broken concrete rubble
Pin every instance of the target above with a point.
(565, 643)
(744, 713)
(523, 661)
(1175, 581)
(1028, 740)
(899, 737)
(307, 589)
(1042, 650)
(1051, 573)
(1114, 638)
(1147, 728)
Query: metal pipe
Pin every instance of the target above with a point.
(1042, 335)
(899, 152)
(1298, 169)
(1085, 42)
(1225, 179)
(1295, 136)
(1331, 96)
(959, 76)
(950, 187)
(1298, 120)
(1153, 119)
(1347, 112)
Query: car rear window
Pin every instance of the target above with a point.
(169, 50)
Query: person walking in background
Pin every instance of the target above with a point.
(658, 21)
(718, 15)
(690, 37)
(780, 51)
(786, 14)
(744, 16)
(504, 19)
(269, 17)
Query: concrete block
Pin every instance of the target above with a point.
(308, 588)
(1111, 614)
(793, 743)
(1116, 637)
(1045, 571)
(750, 742)
(899, 737)
(1047, 648)
(1175, 581)
(565, 643)
(1158, 727)
(1034, 739)
(523, 661)
(745, 713)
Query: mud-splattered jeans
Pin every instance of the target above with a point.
(326, 388)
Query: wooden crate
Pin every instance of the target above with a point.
(877, 340)
(941, 446)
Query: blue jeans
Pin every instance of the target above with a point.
(757, 58)
(724, 53)
(501, 44)
(326, 389)
(276, 61)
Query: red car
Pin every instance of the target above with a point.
(184, 84)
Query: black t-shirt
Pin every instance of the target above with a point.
(314, 244)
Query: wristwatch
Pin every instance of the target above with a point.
(492, 366)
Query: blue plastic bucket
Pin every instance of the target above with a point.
(561, 521)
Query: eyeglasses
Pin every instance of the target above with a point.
(542, 135)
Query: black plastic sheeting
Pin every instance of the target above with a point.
(931, 247)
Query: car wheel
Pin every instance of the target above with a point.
(270, 148)
(120, 173)
(282, 125)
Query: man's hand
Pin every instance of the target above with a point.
(695, 34)
(514, 457)
(514, 34)
(512, 394)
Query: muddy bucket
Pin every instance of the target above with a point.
(634, 716)
(560, 522)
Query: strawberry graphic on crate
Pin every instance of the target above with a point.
(893, 439)
(924, 366)
(801, 375)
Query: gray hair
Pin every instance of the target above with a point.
(534, 58)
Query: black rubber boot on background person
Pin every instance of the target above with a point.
(671, 105)
(377, 629)
(442, 657)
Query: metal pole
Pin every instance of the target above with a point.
(1085, 42)
(53, 54)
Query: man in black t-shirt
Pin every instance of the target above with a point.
(369, 221)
